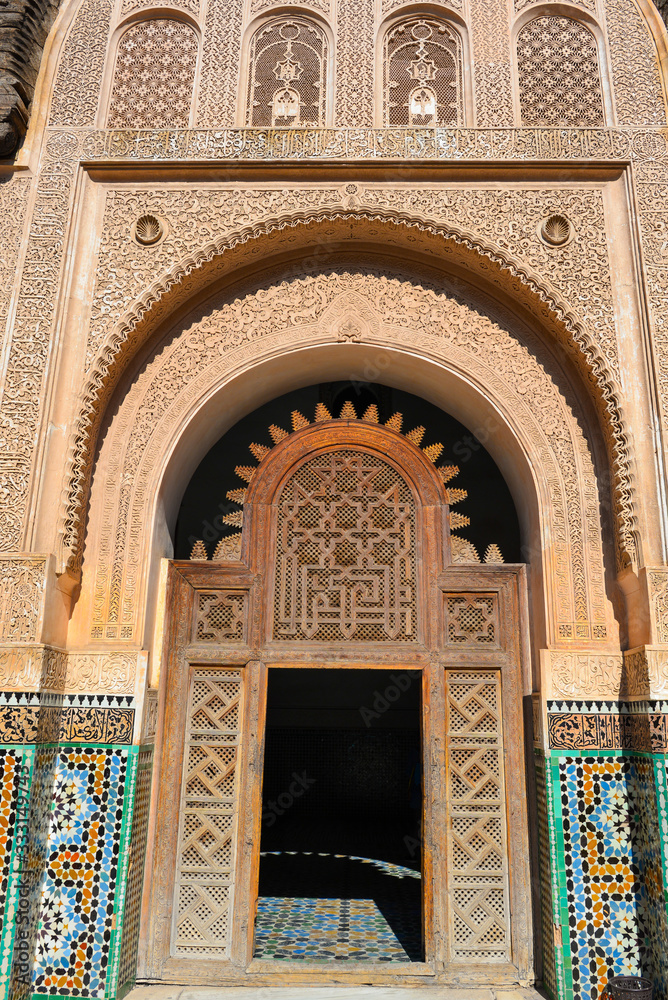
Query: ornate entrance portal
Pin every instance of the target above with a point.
(347, 559)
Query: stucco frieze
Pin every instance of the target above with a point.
(489, 143)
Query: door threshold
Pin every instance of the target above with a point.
(342, 969)
(428, 991)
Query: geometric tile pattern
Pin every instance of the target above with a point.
(12, 763)
(133, 892)
(545, 880)
(370, 911)
(643, 800)
(613, 884)
(320, 930)
(30, 854)
(83, 857)
(15, 773)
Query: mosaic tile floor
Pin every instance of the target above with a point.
(366, 910)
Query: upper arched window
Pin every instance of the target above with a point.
(154, 76)
(287, 81)
(559, 78)
(422, 74)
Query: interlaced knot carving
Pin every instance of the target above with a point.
(346, 552)
(559, 78)
(423, 74)
(154, 76)
(287, 83)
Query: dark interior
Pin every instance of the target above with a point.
(342, 792)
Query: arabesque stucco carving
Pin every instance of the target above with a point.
(132, 280)
(426, 314)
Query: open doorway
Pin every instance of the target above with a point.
(340, 856)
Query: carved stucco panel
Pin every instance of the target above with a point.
(391, 5)
(585, 675)
(44, 668)
(14, 465)
(492, 63)
(194, 220)
(14, 192)
(258, 6)
(635, 70)
(409, 312)
(76, 91)
(585, 4)
(22, 591)
(509, 218)
(638, 673)
(111, 672)
(32, 668)
(657, 584)
(355, 25)
(128, 6)
(652, 195)
(31, 336)
(219, 73)
(657, 671)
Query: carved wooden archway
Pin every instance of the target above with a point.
(346, 561)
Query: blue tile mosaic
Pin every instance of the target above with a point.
(370, 913)
(82, 870)
(613, 879)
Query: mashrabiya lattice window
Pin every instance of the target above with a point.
(287, 84)
(346, 552)
(422, 69)
(559, 77)
(154, 76)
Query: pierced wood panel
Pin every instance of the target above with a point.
(346, 552)
(471, 620)
(477, 843)
(209, 806)
(220, 616)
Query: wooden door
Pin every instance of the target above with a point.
(346, 560)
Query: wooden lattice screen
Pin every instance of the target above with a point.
(346, 548)
(205, 859)
(346, 552)
(478, 855)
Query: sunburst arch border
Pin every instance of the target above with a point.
(228, 548)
